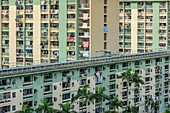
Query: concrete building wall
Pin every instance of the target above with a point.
(61, 84)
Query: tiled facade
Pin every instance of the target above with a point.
(144, 25)
(44, 31)
(59, 82)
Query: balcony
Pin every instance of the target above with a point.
(162, 6)
(19, 38)
(47, 88)
(141, 5)
(5, 45)
(54, 29)
(44, 20)
(163, 13)
(127, 6)
(98, 79)
(84, 25)
(28, 28)
(5, 37)
(27, 80)
(4, 84)
(27, 92)
(71, 11)
(48, 77)
(84, 6)
(54, 11)
(83, 82)
(54, 20)
(44, 55)
(5, 19)
(20, 46)
(54, 38)
(66, 86)
(5, 3)
(66, 97)
(54, 47)
(29, 55)
(28, 2)
(5, 97)
(84, 35)
(5, 28)
(149, 6)
(44, 11)
(5, 54)
(54, 57)
(29, 20)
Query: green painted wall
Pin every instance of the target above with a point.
(134, 5)
(36, 2)
(63, 30)
(155, 45)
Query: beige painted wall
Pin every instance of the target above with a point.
(12, 36)
(37, 33)
(57, 93)
(113, 26)
(134, 26)
(97, 25)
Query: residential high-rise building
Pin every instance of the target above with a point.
(144, 25)
(59, 82)
(41, 31)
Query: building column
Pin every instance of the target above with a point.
(134, 28)
(63, 30)
(36, 34)
(155, 44)
(12, 36)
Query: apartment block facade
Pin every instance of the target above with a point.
(44, 31)
(143, 25)
(59, 82)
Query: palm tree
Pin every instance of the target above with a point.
(136, 79)
(100, 95)
(83, 95)
(131, 77)
(154, 106)
(167, 110)
(66, 107)
(132, 109)
(45, 107)
(25, 109)
(115, 103)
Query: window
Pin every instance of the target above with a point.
(88, 81)
(13, 94)
(105, 36)
(72, 84)
(55, 87)
(13, 108)
(105, 45)
(105, 1)
(55, 99)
